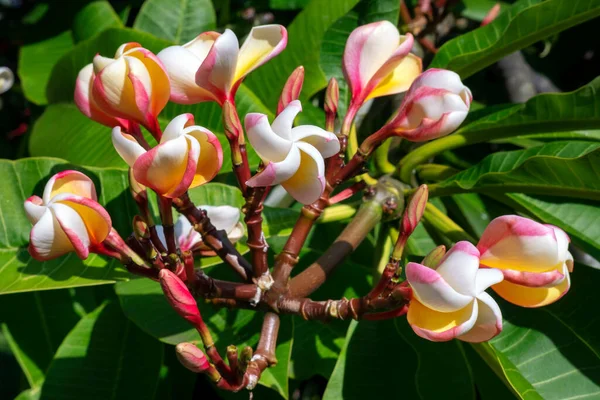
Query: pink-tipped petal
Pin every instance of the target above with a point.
(269, 145)
(277, 172)
(216, 73)
(211, 154)
(262, 44)
(534, 279)
(326, 142)
(34, 208)
(69, 181)
(126, 145)
(187, 237)
(441, 326)
(430, 288)
(517, 243)
(73, 226)
(308, 183)
(175, 128)
(47, 240)
(488, 323)
(459, 268)
(95, 218)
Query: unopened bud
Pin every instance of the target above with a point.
(245, 357)
(179, 296)
(231, 121)
(435, 256)
(414, 210)
(138, 191)
(191, 357)
(140, 228)
(291, 89)
(332, 96)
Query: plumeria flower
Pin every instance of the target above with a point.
(435, 105)
(7, 79)
(186, 157)
(212, 66)
(293, 157)
(88, 106)
(225, 218)
(377, 62)
(67, 218)
(450, 301)
(134, 85)
(533, 257)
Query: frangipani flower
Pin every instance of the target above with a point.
(88, 106)
(225, 218)
(533, 257)
(293, 157)
(7, 79)
(377, 61)
(212, 66)
(133, 86)
(450, 302)
(186, 157)
(435, 105)
(67, 218)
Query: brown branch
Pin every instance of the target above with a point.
(217, 240)
(264, 356)
(208, 287)
(256, 239)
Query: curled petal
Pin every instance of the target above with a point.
(277, 172)
(175, 128)
(430, 289)
(94, 216)
(441, 326)
(326, 142)
(268, 144)
(534, 279)
(187, 237)
(125, 47)
(218, 68)
(223, 217)
(308, 183)
(211, 154)
(517, 243)
(127, 147)
(442, 79)
(7, 79)
(69, 181)
(201, 44)
(400, 78)
(47, 239)
(459, 268)
(562, 240)
(487, 277)
(282, 125)
(168, 168)
(533, 296)
(34, 208)
(368, 48)
(488, 323)
(263, 43)
(73, 226)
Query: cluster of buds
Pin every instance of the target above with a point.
(524, 262)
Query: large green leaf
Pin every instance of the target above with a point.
(549, 112)
(524, 23)
(558, 168)
(94, 18)
(384, 357)
(34, 339)
(305, 36)
(177, 21)
(554, 352)
(105, 356)
(36, 61)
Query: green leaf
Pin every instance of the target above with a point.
(105, 356)
(177, 21)
(554, 352)
(36, 62)
(35, 338)
(94, 18)
(579, 218)
(288, 4)
(304, 45)
(549, 112)
(18, 271)
(478, 9)
(558, 168)
(61, 84)
(524, 23)
(383, 357)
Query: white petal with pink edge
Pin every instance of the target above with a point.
(126, 145)
(69, 181)
(263, 43)
(325, 142)
(269, 145)
(459, 268)
(488, 323)
(277, 172)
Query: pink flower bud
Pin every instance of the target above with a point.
(179, 296)
(291, 89)
(414, 210)
(435, 105)
(191, 357)
(332, 96)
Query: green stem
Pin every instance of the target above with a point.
(336, 213)
(442, 223)
(437, 190)
(381, 158)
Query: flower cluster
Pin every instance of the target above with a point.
(523, 261)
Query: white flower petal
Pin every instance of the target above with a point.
(277, 172)
(459, 268)
(47, 239)
(308, 183)
(326, 142)
(268, 145)
(223, 217)
(488, 323)
(487, 277)
(282, 125)
(126, 145)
